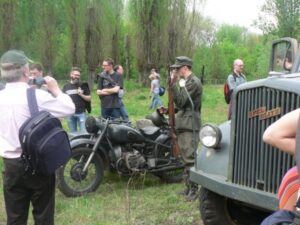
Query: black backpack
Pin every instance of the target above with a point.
(45, 145)
(161, 91)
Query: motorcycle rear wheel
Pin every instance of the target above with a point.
(72, 181)
(169, 176)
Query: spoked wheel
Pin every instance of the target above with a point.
(169, 176)
(72, 181)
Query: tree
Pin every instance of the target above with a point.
(288, 14)
(92, 40)
(117, 9)
(75, 19)
(280, 17)
(47, 32)
(150, 21)
(7, 13)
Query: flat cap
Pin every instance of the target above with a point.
(13, 59)
(182, 61)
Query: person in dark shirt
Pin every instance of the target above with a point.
(109, 84)
(80, 95)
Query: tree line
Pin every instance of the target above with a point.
(140, 35)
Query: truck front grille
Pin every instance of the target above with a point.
(256, 164)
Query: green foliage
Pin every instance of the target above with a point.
(280, 17)
(140, 35)
(233, 42)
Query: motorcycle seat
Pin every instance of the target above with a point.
(149, 131)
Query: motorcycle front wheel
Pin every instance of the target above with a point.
(72, 181)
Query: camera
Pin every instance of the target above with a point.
(38, 81)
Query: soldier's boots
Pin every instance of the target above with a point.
(193, 193)
(184, 192)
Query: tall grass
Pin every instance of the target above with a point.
(140, 200)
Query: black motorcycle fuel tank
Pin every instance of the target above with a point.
(123, 134)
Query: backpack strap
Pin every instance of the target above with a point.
(32, 103)
(234, 76)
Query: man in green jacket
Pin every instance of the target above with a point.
(184, 117)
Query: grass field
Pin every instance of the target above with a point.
(136, 200)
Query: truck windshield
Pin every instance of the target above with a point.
(282, 57)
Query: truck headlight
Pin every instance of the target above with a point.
(210, 135)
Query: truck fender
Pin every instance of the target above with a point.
(216, 161)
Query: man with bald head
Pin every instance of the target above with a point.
(235, 79)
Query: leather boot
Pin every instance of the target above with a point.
(185, 178)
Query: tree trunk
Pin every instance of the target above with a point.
(127, 62)
(91, 75)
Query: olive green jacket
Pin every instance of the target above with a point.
(183, 119)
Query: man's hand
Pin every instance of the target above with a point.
(80, 91)
(174, 76)
(52, 86)
(163, 110)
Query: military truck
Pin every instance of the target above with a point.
(238, 173)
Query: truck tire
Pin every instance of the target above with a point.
(216, 209)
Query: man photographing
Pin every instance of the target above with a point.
(21, 188)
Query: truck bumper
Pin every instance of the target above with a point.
(221, 186)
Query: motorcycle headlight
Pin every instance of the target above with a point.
(210, 135)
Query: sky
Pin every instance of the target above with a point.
(234, 12)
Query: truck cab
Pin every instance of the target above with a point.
(238, 173)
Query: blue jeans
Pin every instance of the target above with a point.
(155, 101)
(77, 119)
(112, 113)
(123, 111)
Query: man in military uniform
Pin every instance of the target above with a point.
(184, 123)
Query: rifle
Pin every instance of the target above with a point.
(171, 112)
(202, 75)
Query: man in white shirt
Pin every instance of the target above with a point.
(21, 188)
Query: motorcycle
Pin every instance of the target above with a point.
(116, 146)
